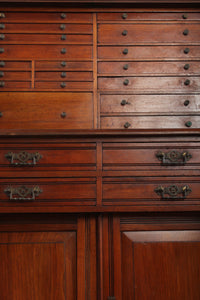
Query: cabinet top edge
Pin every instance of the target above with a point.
(104, 1)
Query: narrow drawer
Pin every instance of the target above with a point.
(148, 33)
(67, 76)
(64, 85)
(46, 110)
(148, 52)
(39, 157)
(13, 75)
(145, 16)
(150, 122)
(14, 85)
(15, 65)
(50, 17)
(151, 191)
(36, 192)
(45, 28)
(45, 52)
(158, 84)
(46, 38)
(149, 103)
(63, 65)
(150, 68)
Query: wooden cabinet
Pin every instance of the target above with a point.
(99, 150)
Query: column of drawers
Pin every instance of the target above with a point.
(49, 54)
(148, 69)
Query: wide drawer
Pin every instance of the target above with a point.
(151, 68)
(148, 52)
(151, 191)
(78, 52)
(148, 33)
(42, 17)
(36, 192)
(63, 65)
(46, 28)
(145, 16)
(67, 76)
(149, 103)
(150, 122)
(46, 110)
(46, 39)
(158, 84)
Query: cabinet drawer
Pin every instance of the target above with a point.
(149, 103)
(46, 52)
(13, 75)
(50, 17)
(46, 39)
(145, 16)
(15, 65)
(36, 158)
(150, 68)
(29, 192)
(148, 33)
(158, 84)
(67, 76)
(46, 110)
(148, 52)
(151, 191)
(63, 65)
(46, 28)
(150, 122)
(14, 85)
(70, 85)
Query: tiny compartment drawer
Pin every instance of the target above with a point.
(66, 76)
(46, 110)
(50, 192)
(151, 191)
(64, 85)
(42, 65)
(14, 65)
(15, 76)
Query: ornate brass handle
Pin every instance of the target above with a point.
(173, 157)
(23, 192)
(173, 192)
(23, 158)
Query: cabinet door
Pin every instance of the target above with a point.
(151, 258)
(45, 258)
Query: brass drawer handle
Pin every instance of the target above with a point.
(2, 64)
(2, 36)
(127, 125)
(124, 16)
(125, 51)
(173, 192)
(173, 157)
(23, 192)
(1, 50)
(186, 50)
(63, 16)
(23, 158)
(2, 15)
(2, 26)
(186, 32)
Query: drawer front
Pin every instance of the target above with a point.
(46, 52)
(14, 65)
(46, 39)
(158, 84)
(150, 122)
(48, 191)
(63, 65)
(147, 68)
(64, 85)
(45, 28)
(148, 33)
(141, 191)
(14, 85)
(46, 110)
(50, 17)
(148, 52)
(145, 16)
(13, 75)
(67, 76)
(149, 103)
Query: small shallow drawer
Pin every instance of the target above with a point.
(15, 65)
(51, 192)
(149, 103)
(151, 191)
(148, 52)
(36, 158)
(45, 51)
(63, 65)
(158, 84)
(64, 85)
(46, 110)
(67, 76)
(50, 17)
(149, 68)
(13, 85)
(145, 16)
(151, 157)
(147, 33)
(150, 122)
(13, 75)
(46, 28)
(46, 38)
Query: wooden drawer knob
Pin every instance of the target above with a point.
(2, 64)
(127, 125)
(63, 64)
(124, 16)
(125, 51)
(63, 51)
(2, 15)
(186, 32)
(63, 16)
(186, 50)
(186, 66)
(188, 124)
(187, 82)
(126, 82)
(63, 114)
(2, 26)
(124, 32)
(186, 102)
(184, 16)
(62, 26)
(1, 50)
(2, 37)
(2, 83)
(1, 73)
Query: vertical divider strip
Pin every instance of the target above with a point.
(95, 98)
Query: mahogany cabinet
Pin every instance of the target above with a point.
(100, 150)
